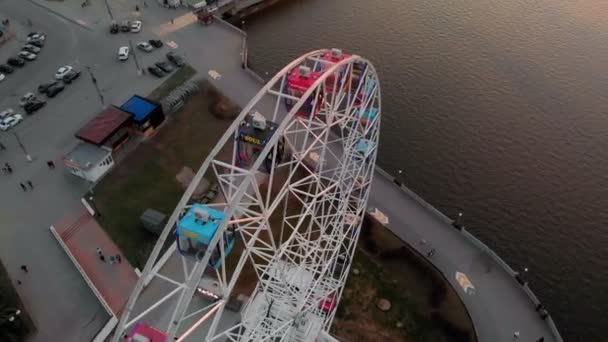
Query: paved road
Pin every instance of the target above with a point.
(54, 293)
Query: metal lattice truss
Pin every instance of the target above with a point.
(296, 209)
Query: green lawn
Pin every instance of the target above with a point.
(22, 325)
(175, 80)
(146, 178)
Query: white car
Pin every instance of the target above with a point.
(63, 71)
(2, 77)
(6, 112)
(145, 46)
(136, 26)
(26, 98)
(10, 121)
(27, 55)
(123, 53)
(37, 36)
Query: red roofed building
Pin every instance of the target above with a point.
(109, 128)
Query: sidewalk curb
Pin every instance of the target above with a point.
(63, 16)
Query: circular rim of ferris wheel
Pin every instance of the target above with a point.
(333, 107)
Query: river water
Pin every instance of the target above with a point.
(496, 108)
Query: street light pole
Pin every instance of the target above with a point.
(94, 80)
(27, 155)
(135, 58)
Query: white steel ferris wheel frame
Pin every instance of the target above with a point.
(306, 260)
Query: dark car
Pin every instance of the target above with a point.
(15, 61)
(44, 87)
(125, 26)
(175, 59)
(54, 90)
(164, 66)
(156, 71)
(37, 42)
(33, 106)
(156, 43)
(70, 76)
(7, 69)
(114, 27)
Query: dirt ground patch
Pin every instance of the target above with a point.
(424, 307)
(147, 177)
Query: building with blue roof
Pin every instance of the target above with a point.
(147, 114)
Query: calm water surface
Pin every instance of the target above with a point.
(495, 108)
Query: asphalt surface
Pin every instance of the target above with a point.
(59, 301)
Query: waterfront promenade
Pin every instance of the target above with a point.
(498, 305)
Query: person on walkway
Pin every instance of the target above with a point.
(50, 164)
(24, 268)
(431, 253)
(136, 8)
(516, 336)
(112, 260)
(2, 147)
(100, 253)
(29, 183)
(118, 258)
(9, 169)
(23, 187)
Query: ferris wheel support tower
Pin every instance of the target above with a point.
(294, 185)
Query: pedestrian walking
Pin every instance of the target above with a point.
(431, 253)
(29, 183)
(2, 147)
(23, 187)
(24, 268)
(50, 164)
(100, 253)
(136, 8)
(516, 336)
(118, 258)
(9, 169)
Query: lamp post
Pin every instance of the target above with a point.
(94, 80)
(27, 155)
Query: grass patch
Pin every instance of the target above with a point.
(424, 306)
(22, 325)
(178, 78)
(146, 178)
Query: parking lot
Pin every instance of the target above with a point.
(53, 285)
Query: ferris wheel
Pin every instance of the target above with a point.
(268, 259)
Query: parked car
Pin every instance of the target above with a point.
(123, 53)
(6, 112)
(38, 43)
(145, 46)
(154, 70)
(114, 27)
(10, 121)
(164, 66)
(15, 61)
(71, 76)
(7, 69)
(36, 36)
(33, 34)
(63, 71)
(26, 98)
(54, 89)
(136, 26)
(125, 26)
(175, 59)
(27, 55)
(45, 86)
(156, 43)
(34, 105)
(2, 77)
(31, 48)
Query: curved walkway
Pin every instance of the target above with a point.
(498, 305)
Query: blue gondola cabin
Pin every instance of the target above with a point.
(196, 229)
